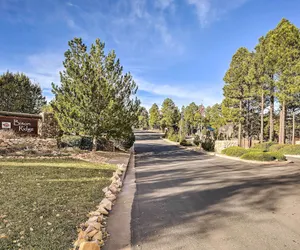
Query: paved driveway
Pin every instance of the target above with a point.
(188, 200)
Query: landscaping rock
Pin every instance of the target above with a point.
(112, 197)
(90, 234)
(94, 213)
(98, 236)
(92, 245)
(95, 225)
(102, 210)
(106, 203)
(113, 189)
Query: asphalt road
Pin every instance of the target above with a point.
(188, 200)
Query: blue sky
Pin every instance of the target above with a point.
(174, 48)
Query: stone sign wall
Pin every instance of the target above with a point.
(220, 145)
(21, 125)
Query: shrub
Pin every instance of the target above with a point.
(208, 145)
(185, 143)
(234, 151)
(128, 141)
(290, 150)
(197, 140)
(258, 156)
(7, 134)
(173, 137)
(264, 146)
(278, 156)
(86, 143)
(276, 147)
(71, 141)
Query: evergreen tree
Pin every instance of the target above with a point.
(237, 86)
(285, 51)
(154, 120)
(170, 114)
(191, 117)
(19, 94)
(143, 118)
(95, 97)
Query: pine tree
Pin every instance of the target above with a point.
(237, 86)
(170, 114)
(154, 120)
(19, 94)
(285, 51)
(143, 118)
(95, 97)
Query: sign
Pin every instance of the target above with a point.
(6, 125)
(20, 125)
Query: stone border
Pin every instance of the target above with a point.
(92, 233)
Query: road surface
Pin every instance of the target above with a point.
(188, 200)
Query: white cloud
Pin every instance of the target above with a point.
(207, 95)
(44, 68)
(211, 10)
(164, 4)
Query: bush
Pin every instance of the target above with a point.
(185, 143)
(128, 141)
(276, 147)
(173, 137)
(234, 151)
(258, 156)
(264, 147)
(290, 150)
(7, 134)
(197, 140)
(208, 145)
(278, 156)
(71, 141)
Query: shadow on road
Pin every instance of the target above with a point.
(182, 192)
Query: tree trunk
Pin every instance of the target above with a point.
(293, 139)
(94, 143)
(248, 124)
(282, 124)
(240, 126)
(271, 136)
(280, 127)
(262, 118)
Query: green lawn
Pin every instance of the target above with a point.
(43, 201)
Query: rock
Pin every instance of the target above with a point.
(112, 197)
(119, 172)
(113, 189)
(106, 203)
(105, 189)
(95, 225)
(108, 193)
(94, 213)
(78, 242)
(98, 236)
(90, 234)
(102, 210)
(93, 219)
(92, 245)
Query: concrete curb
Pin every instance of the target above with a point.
(293, 156)
(128, 162)
(93, 232)
(254, 162)
(119, 221)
